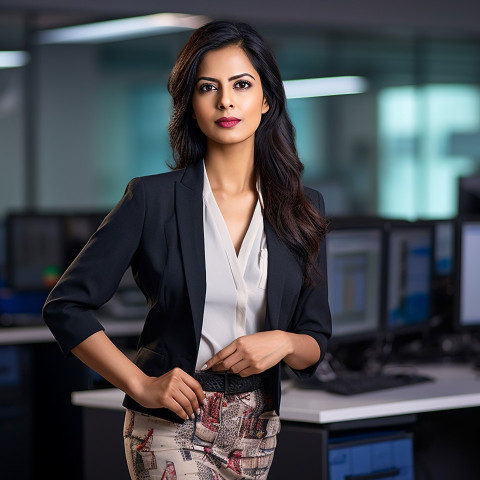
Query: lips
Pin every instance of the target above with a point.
(227, 122)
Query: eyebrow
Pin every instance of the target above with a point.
(211, 79)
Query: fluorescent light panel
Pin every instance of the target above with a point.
(121, 29)
(321, 87)
(13, 59)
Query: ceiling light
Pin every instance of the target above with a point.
(13, 59)
(321, 87)
(121, 29)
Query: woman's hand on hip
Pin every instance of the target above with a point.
(175, 390)
(252, 354)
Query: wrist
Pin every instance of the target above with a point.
(136, 384)
(288, 342)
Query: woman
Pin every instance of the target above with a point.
(228, 249)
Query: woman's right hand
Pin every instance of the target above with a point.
(175, 390)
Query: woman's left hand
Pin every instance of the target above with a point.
(251, 354)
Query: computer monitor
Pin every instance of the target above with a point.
(3, 252)
(444, 247)
(355, 283)
(410, 247)
(40, 246)
(468, 195)
(443, 287)
(467, 304)
(34, 251)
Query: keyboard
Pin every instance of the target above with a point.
(356, 383)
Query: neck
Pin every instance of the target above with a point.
(230, 168)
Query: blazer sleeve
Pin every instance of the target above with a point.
(312, 314)
(93, 277)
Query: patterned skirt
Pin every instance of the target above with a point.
(234, 437)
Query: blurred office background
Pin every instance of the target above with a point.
(80, 119)
(388, 138)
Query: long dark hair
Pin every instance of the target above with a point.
(296, 221)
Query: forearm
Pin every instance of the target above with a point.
(260, 351)
(303, 351)
(100, 354)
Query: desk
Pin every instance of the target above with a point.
(35, 401)
(41, 334)
(314, 414)
(444, 416)
(455, 386)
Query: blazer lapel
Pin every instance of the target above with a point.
(277, 253)
(189, 207)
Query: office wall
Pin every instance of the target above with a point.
(12, 151)
(65, 126)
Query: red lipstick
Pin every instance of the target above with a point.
(227, 122)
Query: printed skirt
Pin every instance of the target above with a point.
(234, 437)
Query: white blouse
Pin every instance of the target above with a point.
(235, 301)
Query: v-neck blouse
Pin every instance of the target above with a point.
(235, 300)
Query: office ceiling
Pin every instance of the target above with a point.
(457, 17)
(292, 27)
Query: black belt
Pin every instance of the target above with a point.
(230, 382)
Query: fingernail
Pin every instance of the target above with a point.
(192, 416)
(204, 367)
(205, 401)
(198, 412)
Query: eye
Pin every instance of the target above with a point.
(207, 87)
(242, 84)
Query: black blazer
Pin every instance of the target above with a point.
(157, 229)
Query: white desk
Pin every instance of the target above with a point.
(455, 386)
(41, 334)
(310, 415)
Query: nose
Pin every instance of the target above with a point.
(225, 102)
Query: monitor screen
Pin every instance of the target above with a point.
(41, 246)
(34, 251)
(468, 275)
(409, 276)
(354, 262)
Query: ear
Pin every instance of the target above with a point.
(265, 106)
